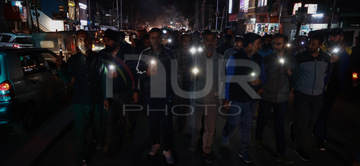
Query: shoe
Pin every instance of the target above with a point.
(321, 146)
(258, 144)
(83, 163)
(291, 132)
(168, 157)
(245, 157)
(254, 119)
(154, 149)
(224, 139)
(282, 159)
(208, 158)
(302, 154)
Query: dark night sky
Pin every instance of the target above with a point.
(49, 6)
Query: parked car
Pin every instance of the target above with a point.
(15, 40)
(61, 43)
(28, 84)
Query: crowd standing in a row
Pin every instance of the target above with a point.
(236, 74)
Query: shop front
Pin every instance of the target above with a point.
(262, 24)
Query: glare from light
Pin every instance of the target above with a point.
(153, 62)
(200, 49)
(288, 45)
(253, 74)
(336, 50)
(112, 67)
(169, 40)
(320, 15)
(195, 70)
(164, 31)
(82, 6)
(282, 60)
(302, 43)
(193, 50)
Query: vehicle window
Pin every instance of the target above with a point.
(5, 38)
(50, 59)
(23, 40)
(47, 44)
(31, 64)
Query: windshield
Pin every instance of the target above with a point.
(23, 40)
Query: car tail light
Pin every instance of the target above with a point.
(16, 45)
(6, 91)
(355, 76)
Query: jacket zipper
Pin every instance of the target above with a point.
(314, 79)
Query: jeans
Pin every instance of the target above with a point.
(307, 110)
(240, 114)
(279, 122)
(86, 116)
(160, 116)
(321, 123)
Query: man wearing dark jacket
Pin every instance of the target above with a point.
(154, 70)
(87, 69)
(237, 100)
(313, 66)
(280, 70)
(121, 85)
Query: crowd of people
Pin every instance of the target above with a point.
(193, 77)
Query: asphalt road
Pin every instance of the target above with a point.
(343, 143)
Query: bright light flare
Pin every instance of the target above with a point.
(200, 49)
(195, 70)
(336, 50)
(193, 50)
(288, 45)
(355, 76)
(253, 74)
(169, 40)
(112, 67)
(282, 60)
(152, 62)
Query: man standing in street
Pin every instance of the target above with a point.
(205, 70)
(280, 70)
(182, 55)
(308, 92)
(240, 104)
(121, 84)
(337, 79)
(87, 69)
(154, 69)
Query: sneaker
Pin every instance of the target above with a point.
(154, 149)
(282, 159)
(321, 145)
(258, 144)
(245, 157)
(224, 139)
(208, 158)
(291, 132)
(168, 157)
(302, 154)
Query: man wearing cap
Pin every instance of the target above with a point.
(337, 80)
(240, 104)
(120, 84)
